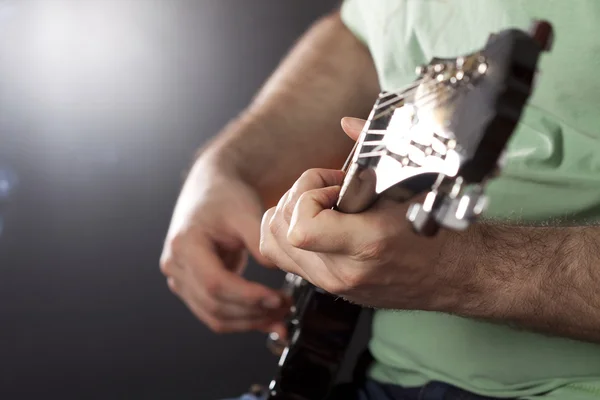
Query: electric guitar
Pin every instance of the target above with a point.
(443, 135)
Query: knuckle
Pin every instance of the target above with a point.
(213, 287)
(309, 174)
(311, 177)
(172, 285)
(266, 248)
(352, 281)
(344, 283)
(176, 243)
(288, 210)
(268, 215)
(274, 223)
(334, 286)
(387, 227)
(298, 236)
(212, 308)
(167, 266)
(306, 197)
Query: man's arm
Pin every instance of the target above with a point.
(294, 122)
(545, 279)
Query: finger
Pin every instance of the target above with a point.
(173, 285)
(281, 204)
(270, 247)
(249, 231)
(316, 227)
(250, 294)
(311, 179)
(222, 316)
(226, 310)
(303, 225)
(227, 326)
(275, 245)
(168, 264)
(220, 309)
(213, 276)
(353, 127)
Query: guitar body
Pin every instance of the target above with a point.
(323, 326)
(443, 137)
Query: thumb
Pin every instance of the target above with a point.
(353, 127)
(249, 231)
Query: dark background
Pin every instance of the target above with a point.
(102, 105)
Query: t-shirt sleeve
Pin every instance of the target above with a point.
(352, 17)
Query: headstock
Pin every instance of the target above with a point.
(445, 134)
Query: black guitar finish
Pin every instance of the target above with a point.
(323, 326)
(446, 134)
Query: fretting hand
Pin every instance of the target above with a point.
(372, 258)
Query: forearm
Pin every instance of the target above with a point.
(294, 121)
(540, 278)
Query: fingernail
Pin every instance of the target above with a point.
(353, 123)
(271, 302)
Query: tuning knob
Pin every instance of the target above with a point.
(460, 212)
(421, 216)
(543, 33)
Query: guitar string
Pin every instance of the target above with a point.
(401, 94)
(397, 93)
(370, 120)
(378, 151)
(415, 84)
(403, 91)
(428, 95)
(436, 98)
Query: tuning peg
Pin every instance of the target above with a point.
(459, 212)
(420, 70)
(421, 216)
(542, 32)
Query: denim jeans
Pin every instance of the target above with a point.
(372, 390)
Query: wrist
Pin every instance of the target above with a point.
(499, 281)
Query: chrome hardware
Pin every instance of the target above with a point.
(482, 68)
(421, 215)
(276, 344)
(453, 207)
(460, 212)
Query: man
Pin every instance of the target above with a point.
(508, 309)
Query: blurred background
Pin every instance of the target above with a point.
(102, 106)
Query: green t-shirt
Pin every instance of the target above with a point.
(553, 171)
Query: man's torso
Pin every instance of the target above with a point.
(553, 174)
